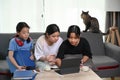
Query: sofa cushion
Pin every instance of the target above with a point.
(96, 42)
(36, 35)
(4, 42)
(4, 69)
(104, 62)
(63, 35)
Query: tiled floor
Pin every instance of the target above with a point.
(117, 78)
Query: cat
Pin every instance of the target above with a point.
(91, 23)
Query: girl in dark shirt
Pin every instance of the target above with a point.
(74, 45)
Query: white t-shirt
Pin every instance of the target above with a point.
(42, 49)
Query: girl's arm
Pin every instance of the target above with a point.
(84, 59)
(10, 55)
(58, 62)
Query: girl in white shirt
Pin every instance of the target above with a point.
(47, 45)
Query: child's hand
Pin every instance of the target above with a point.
(50, 58)
(21, 67)
(32, 57)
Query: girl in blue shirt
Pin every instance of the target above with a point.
(21, 41)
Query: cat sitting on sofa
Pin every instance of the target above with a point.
(91, 23)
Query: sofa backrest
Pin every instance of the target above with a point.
(5, 37)
(4, 42)
(96, 42)
(63, 35)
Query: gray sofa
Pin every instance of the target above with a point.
(106, 57)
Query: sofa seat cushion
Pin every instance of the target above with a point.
(105, 62)
(4, 69)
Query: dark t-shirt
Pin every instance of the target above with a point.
(82, 48)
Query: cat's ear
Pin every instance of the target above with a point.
(82, 11)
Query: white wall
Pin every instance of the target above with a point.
(14, 11)
(62, 12)
(112, 5)
(67, 12)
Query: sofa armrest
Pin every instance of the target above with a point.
(112, 51)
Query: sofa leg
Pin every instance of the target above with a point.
(112, 78)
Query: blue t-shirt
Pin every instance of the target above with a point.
(13, 46)
(21, 53)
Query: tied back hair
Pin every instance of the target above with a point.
(52, 28)
(19, 27)
(74, 29)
